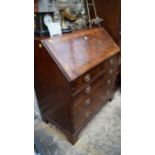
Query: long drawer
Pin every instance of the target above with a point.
(89, 99)
(110, 65)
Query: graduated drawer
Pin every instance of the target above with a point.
(110, 65)
(91, 98)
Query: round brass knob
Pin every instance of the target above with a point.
(87, 102)
(87, 78)
(40, 45)
(88, 89)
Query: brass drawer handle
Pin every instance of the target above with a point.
(87, 102)
(109, 81)
(111, 61)
(88, 89)
(87, 78)
(88, 114)
(40, 45)
(110, 71)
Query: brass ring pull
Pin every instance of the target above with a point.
(88, 89)
(87, 102)
(111, 61)
(109, 81)
(87, 78)
(87, 114)
(110, 71)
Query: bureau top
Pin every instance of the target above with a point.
(77, 52)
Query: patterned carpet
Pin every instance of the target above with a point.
(102, 135)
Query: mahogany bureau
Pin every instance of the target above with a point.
(74, 76)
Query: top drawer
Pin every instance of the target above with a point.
(81, 82)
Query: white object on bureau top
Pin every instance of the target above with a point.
(54, 28)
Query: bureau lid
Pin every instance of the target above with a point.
(78, 52)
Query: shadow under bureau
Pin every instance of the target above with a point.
(74, 76)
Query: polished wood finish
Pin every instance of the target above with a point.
(75, 76)
(77, 53)
(52, 88)
(86, 104)
(94, 73)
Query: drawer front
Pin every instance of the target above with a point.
(109, 65)
(91, 98)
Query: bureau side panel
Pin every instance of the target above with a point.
(52, 89)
